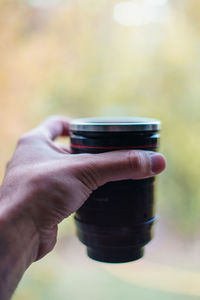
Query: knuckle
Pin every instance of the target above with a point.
(28, 138)
(139, 162)
(135, 160)
(23, 139)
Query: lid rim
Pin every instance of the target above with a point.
(123, 125)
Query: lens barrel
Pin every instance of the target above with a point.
(115, 223)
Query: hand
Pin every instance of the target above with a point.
(46, 183)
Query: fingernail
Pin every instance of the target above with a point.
(157, 163)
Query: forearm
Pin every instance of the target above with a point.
(18, 249)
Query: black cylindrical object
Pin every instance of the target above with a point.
(116, 221)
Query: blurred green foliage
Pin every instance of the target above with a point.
(74, 59)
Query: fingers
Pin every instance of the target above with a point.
(96, 170)
(53, 127)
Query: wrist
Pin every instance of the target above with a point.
(19, 240)
(19, 248)
(18, 234)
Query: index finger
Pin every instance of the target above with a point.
(54, 127)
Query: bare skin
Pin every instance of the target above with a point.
(44, 183)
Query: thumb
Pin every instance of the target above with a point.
(96, 169)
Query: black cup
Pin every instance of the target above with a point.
(116, 221)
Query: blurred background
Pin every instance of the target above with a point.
(83, 58)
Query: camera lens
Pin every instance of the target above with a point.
(115, 223)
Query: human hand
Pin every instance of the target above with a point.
(47, 183)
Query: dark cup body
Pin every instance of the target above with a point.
(116, 221)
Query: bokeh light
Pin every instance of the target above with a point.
(140, 13)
